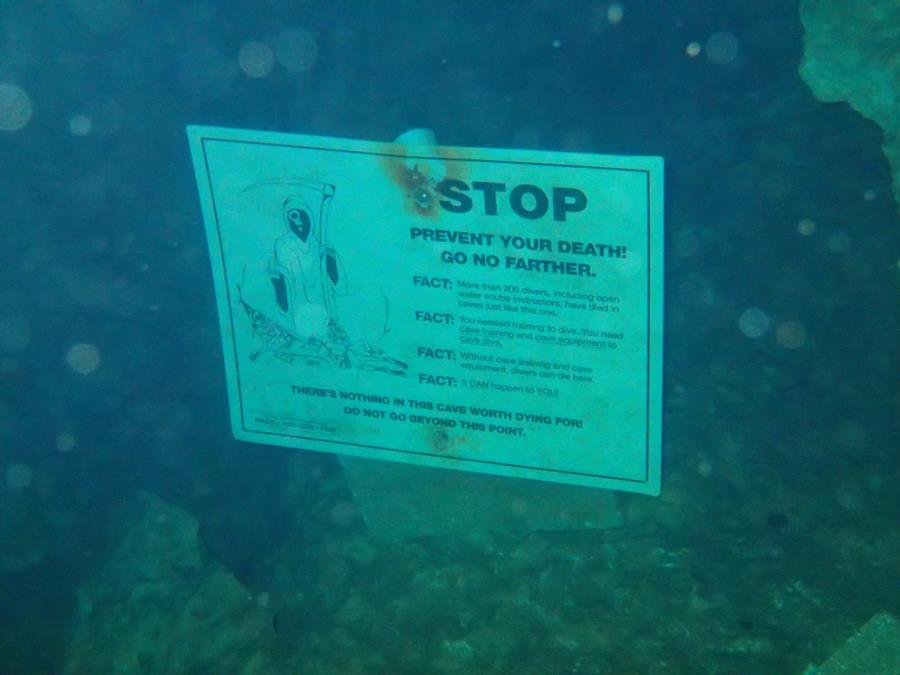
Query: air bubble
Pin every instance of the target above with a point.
(18, 476)
(296, 49)
(15, 107)
(65, 442)
(791, 335)
(754, 322)
(84, 359)
(256, 59)
(80, 125)
(806, 227)
(722, 48)
(615, 13)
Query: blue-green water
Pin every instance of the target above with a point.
(136, 536)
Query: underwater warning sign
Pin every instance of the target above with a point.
(486, 310)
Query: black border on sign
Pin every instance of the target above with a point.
(204, 139)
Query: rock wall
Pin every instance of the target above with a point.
(851, 53)
(158, 607)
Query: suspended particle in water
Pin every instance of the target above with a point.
(296, 49)
(518, 507)
(15, 107)
(103, 16)
(205, 72)
(99, 244)
(107, 115)
(722, 48)
(696, 290)
(65, 442)
(343, 513)
(80, 125)
(806, 227)
(705, 468)
(851, 496)
(615, 13)
(15, 333)
(83, 358)
(556, 44)
(838, 242)
(791, 334)
(870, 195)
(851, 434)
(256, 59)
(526, 137)
(577, 140)
(686, 243)
(754, 322)
(18, 476)
(693, 49)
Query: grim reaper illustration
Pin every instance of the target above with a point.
(306, 278)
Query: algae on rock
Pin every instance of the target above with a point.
(158, 606)
(851, 53)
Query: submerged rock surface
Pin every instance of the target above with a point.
(158, 606)
(852, 53)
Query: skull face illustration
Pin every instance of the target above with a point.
(298, 218)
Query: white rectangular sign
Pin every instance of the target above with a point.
(478, 309)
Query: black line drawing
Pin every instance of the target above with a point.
(305, 278)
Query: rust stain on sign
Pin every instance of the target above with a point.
(439, 440)
(442, 441)
(414, 176)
